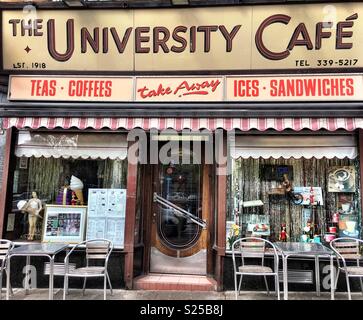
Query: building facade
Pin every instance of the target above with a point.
(163, 129)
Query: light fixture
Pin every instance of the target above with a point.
(74, 3)
(180, 2)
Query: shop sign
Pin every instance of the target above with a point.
(188, 89)
(271, 37)
(179, 89)
(97, 89)
(295, 88)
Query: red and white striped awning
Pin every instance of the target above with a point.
(244, 124)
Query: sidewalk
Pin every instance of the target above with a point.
(97, 294)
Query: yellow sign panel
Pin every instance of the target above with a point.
(68, 40)
(193, 39)
(311, 36)
(198, 39)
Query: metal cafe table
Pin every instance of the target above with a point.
(36, 250)
(312, 250)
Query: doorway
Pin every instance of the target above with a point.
(179, 219)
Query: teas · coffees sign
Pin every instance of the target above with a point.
(178, 89)
(223, 38)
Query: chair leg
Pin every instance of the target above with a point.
(348, 286)
(336, 279)
(109, 283)
(1, 284)
(65, 288)
(277, 286)
(268, 290)
(235, 286)
(10, 287)
(84, 285)
(104, 287)
(239, 285)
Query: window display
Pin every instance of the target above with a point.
(290, 220)
(58, 180)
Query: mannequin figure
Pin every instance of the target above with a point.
(33, 208)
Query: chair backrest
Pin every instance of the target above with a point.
(251, 247)
(98, 249)
(5, 247)
(347, 248)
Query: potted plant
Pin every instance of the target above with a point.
(234, 234)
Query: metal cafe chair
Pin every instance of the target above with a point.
(5, 247)
(96, 250)
(347, 251)
(252, 247)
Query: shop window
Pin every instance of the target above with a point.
(325, 198)
(52, 177)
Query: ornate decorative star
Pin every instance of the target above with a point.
(27, 49)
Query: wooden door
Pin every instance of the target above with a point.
(178, 243)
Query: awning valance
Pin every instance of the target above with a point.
(71, 145)
(301, 146)
(244, 124)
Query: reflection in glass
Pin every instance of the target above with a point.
(180, 184)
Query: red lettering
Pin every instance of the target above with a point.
(33, 82)
(71, 90)
(52, 87)
(350, 87)
(38, 88)
(108, 90)
(310, 86)
(273, 86)
(90, 88)
(246, 88)
(160, 91)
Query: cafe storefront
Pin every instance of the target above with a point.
(173, 138)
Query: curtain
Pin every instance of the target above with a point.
(114, 173)
(47, 175)
(44, 177)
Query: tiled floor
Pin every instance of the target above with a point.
(174, 282)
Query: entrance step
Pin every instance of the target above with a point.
(156, 281)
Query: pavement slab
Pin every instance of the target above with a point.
(97, 294)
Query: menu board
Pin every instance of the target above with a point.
(106, 215)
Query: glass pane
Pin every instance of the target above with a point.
(50, 178)
(180, 184)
